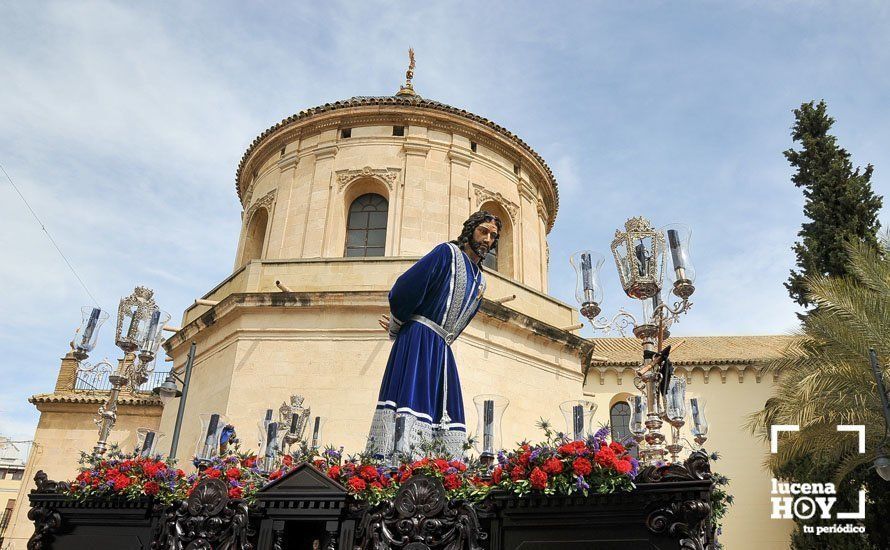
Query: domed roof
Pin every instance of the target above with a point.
(401, 101)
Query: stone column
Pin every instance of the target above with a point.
(531, 255)
(411, 239)
(287, 167)
(459, 195)
(67, 374)
(319, 200)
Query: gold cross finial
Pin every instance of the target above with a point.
(408, 88)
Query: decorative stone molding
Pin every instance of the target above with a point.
(542, 211)
(416, 148)
(387, 176)
(483, 195)
(266, 201)
(460, 158)
(722, 370)
(326, 151)
(526, 191)
(289, 161)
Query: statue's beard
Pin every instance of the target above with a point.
(479, 249)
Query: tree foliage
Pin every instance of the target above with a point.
(840, 204)
(826, 380)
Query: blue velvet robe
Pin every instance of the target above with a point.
(444, 287)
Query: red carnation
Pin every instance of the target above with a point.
(368, 473)
(151, 488)
(288, 460)
(616, 447)
(376, 485)
(357, 484)
(318, 463)
(235, 492)
(553, 465)
(517, 473)
(249, 462)
(461, 467)
(334, 472)
(524, 458)
(441, 464)
(180, 473)
(605, 457)
(405, 475)
(623, 466)
(581, 466)
(213, 472)
(275, 475)
(497, 474)
(452, 482)
(233, 473)
(538, 478)
(121, 482)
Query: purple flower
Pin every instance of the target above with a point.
(451, 470)
(601, 433)
(635, 467)
(502, 458)
(581, 484)
(534, 454)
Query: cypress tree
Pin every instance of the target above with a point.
(840, 204)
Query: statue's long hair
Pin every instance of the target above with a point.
(473, 222)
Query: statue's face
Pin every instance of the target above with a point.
(484, 237)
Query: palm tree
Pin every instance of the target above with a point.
(825, 378)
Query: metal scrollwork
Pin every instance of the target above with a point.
(420, 517)
(684, 521)
(208, 519)
(695, 468)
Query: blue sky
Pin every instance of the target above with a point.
(123, 125)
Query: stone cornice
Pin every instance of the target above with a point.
(235, 304)
(418, 148)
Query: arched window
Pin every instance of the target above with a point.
(366, 226)
(255, 236)
(619, 418)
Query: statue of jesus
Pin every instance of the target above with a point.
(430, 305)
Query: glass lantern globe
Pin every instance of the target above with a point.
(152, 338)
(681, 276)
(207, 445)
(489, 413)
(147, 440)
(588, 289)
(637, 424)
(92, 318)
(675, 402)
(578, 416)
(699, 427)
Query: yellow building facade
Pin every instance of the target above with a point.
(338, 201)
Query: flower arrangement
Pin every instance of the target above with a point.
(128, 475)
(556, 466)
(559, 466)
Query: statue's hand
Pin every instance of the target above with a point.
(384, 322)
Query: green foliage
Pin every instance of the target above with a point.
(840, 204)
(826, 380)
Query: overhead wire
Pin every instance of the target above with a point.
(46, 231)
